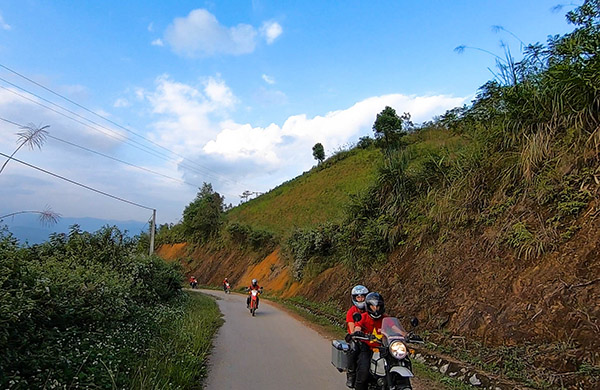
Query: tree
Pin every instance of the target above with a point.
(203, 217)
(318, 152)
(389, 128)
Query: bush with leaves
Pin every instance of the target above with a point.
(313, 244)
(80, 309)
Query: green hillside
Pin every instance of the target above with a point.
(319, 195)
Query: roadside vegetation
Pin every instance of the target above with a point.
(87, 310)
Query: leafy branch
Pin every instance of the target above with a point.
(31, 136)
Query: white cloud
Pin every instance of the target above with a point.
(121, 102)
(188, 115)
(271, 31)
(200, 33)
(275, 145)
(237, 142)
(268, 79)
(157, 42)
(3, 24)
(151, 27)
(219, 93)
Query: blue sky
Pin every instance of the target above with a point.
(234, 93)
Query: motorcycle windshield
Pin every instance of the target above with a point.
(254, 292)
(391, 328)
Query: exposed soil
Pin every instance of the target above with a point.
(537, 318)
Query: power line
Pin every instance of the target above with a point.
(107, 156)
(102, 117)
(146, 149)
(76, 183)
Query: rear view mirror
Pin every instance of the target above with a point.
(414, 322)
(356, 317)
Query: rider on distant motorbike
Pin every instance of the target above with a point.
(370, 323)
(225, 284)
(358, 293)
(253, 286)
(193, 282)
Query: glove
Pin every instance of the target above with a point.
(359, 333)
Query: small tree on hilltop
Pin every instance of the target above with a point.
(389, 128)
(318, 152)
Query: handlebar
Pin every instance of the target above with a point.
(358, 335)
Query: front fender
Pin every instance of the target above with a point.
(402, 371)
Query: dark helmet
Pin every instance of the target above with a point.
(254, 282)
(375, 305)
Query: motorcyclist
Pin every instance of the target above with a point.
(253, 286)
(358, 293)
(225, 284)
(370, 323)
(193, 282)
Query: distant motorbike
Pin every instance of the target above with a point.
(254, 300)
(227, 288)
(194, 284)
(390, 367)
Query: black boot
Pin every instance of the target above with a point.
(350, 378)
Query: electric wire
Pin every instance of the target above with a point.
(110, 157)
(107, 156)
(123, 138)
(104, 118)
(76, 183)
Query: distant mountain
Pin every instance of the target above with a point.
(27, 227)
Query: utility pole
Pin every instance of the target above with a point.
(152, 228)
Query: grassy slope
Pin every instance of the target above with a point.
(312, 198)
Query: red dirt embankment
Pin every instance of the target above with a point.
(549, 306)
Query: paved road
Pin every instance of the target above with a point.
(269, 351)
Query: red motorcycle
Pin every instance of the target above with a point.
(254, 300)
(227, 288)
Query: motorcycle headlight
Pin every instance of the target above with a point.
(398, 350)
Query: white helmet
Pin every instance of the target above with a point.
(359, 290)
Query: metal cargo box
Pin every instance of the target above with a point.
(340, 354)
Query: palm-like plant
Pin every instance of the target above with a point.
(30, 135)
(47, 216)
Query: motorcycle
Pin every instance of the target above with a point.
(194, 284)
(390, 367)
(227, 288)
(254, 300)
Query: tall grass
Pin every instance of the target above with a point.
(178, 356)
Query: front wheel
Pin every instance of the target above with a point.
(252, 311)
(402, 383)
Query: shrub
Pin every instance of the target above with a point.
(79, 309)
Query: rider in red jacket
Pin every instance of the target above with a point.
(253, 286)
(358, 293)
